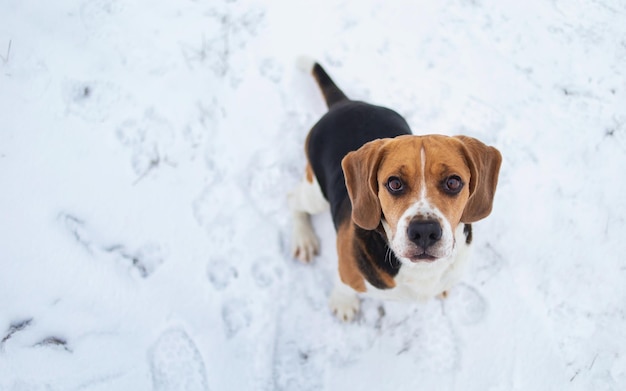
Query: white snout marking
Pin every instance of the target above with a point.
(421, 209)
(403, 247)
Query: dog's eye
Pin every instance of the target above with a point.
(453, 184)
(395, 185)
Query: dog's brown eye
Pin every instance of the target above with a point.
(453, 184)
(394, 184)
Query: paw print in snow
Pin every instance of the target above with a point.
(465, 304)
(237, 316)
(221, 274)
(434, 343)
(90, 100)
(151, 140)
(145, 260)
(264, 273)
(96, 16)
(268, 178)
(272, 70)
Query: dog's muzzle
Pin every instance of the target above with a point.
(424, 234)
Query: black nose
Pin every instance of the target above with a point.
(424, 233)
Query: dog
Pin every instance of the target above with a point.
(402, 204)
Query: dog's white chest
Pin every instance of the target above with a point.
(423, 281)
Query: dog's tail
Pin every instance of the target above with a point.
(332, 93)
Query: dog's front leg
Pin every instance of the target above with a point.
(306, 199)
(344, 301)
(305, 244)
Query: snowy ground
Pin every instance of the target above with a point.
(146, 149)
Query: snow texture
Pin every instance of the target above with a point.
(146, 150)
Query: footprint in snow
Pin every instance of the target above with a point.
(221, 274)
(465, 305)
(91, 100)
(266, 183)
(97, 16)
(265, 272)
(236, 316)
(176, 363)
(151, 140)
(145, 260)
(271, 69)
(435, 345)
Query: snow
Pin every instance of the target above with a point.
(146, 150)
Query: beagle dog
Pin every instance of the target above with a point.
(402, 204)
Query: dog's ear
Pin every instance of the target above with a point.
(484, 164)
(360, 169)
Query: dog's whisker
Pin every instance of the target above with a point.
(389, 255)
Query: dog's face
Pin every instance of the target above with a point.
(420, 188)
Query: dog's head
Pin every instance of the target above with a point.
(420, 188)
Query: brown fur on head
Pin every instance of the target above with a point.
(423, 164)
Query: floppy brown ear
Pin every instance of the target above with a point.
(360, 169)
(484, 164)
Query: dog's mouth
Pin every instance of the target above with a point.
(423, 257)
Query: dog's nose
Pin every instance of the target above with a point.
(424, 233)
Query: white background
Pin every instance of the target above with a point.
(146, 150)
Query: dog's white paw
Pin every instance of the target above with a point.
(305, 243)
(344, 303)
